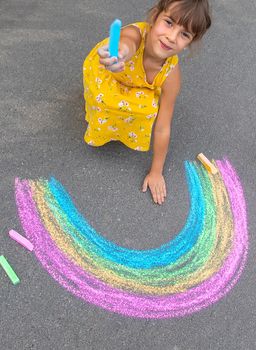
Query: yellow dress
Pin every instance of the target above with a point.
(122, 106)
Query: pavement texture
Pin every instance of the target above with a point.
(42, 48)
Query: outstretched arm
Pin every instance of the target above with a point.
(162, 131)
(130, 40)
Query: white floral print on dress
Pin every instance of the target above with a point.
(129, 120)
(96, 108)
(112, 128)
(99, 98)
(102, 121)
(132, 135)
(123, 103)
(150, 116)
(139, 94)
(154, 103)
(131, 65)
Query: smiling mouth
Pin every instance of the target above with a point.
(165, 46)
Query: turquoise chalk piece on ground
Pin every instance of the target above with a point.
(114, 37)
(21, 240)
(9, 270)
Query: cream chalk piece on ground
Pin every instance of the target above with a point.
(207, 164)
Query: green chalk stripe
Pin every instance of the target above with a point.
(8, 269)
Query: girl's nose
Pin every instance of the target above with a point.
(173, 34)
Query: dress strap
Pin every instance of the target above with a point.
(142, 26)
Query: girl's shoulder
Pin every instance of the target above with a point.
(136, 31)
(141, 26)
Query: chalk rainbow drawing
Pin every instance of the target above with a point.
(195, 269)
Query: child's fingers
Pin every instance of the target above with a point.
(160, 195)
(145, 186)
(112, 66)
(164, 190)
(157, 195)
(117, 67)
(103, 51)
(154, 193)
(121, 55)
(108, 61)
(123, 52)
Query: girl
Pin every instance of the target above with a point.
(126, 95)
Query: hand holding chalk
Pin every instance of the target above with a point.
(114, 55)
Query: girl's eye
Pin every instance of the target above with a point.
(186, 35)
(168, 21)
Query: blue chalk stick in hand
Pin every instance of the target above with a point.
(114, 37)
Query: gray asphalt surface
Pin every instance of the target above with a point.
(42, 47)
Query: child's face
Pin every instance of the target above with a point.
(166, 38)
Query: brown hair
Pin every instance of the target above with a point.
(193, 15)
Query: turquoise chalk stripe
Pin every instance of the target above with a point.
(9, 270)
(162, 256)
